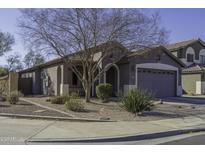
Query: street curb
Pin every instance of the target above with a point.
(120, 138)
(53, 118)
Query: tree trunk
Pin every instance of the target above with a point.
(87, 93)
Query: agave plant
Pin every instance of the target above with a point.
(137, 101)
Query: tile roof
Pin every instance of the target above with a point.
(143, 51)
(139, 52)
(195, 68)
(181, 44)
(74, 56)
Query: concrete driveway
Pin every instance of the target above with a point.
(197, 100)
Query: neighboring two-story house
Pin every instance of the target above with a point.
(191, 53)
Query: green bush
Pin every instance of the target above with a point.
(2, 98)
(74, 95)
(59, 99)
(104, 91)
(48, 100)
(13, 97)
(63, 99)
(3, 71)
(137, 101)
(74, 105)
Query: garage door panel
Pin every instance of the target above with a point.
(161, 83)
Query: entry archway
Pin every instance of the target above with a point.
(58, 80)
(112, 76)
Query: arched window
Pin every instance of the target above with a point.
(202, 56)
(190, 55)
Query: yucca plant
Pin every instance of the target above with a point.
(137, 101)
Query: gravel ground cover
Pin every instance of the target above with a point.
(27, 109)
(113, 111)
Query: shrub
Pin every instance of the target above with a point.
(74, 105)
(2, 98)
(137, 101)
(13, 97)
(20, 94)
(74, 95)
(179, 106)
(48, 100)
(63, 99)
(104, 91)
(59, 99)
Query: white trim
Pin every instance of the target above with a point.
(200, 87)
(201, 53)
(184, 60)
(160, 67)
(190, 50)
(96, 57)
(64, 89)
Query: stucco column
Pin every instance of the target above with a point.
(64, 86)
(13, 82)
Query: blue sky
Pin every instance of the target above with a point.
(184, 24)
(8, 23)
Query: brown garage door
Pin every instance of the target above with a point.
(161, 83)
(25, 86)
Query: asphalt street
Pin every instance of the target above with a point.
(194, 140)
(183, 139)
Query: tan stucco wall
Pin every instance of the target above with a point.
(189, 82)
(4, 85)
(9, 83)
(52, 73)
(13, 82)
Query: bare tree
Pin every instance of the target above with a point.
(6, 41)
(14, 63)
(3, 71)
(33, 58)
(81, 33)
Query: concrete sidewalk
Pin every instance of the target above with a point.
(20, 131)
(61, 131)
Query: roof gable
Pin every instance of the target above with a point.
(142, 52)
(183, 44)
(75, 56)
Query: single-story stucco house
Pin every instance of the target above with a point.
(192, 54)
(155, 69)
